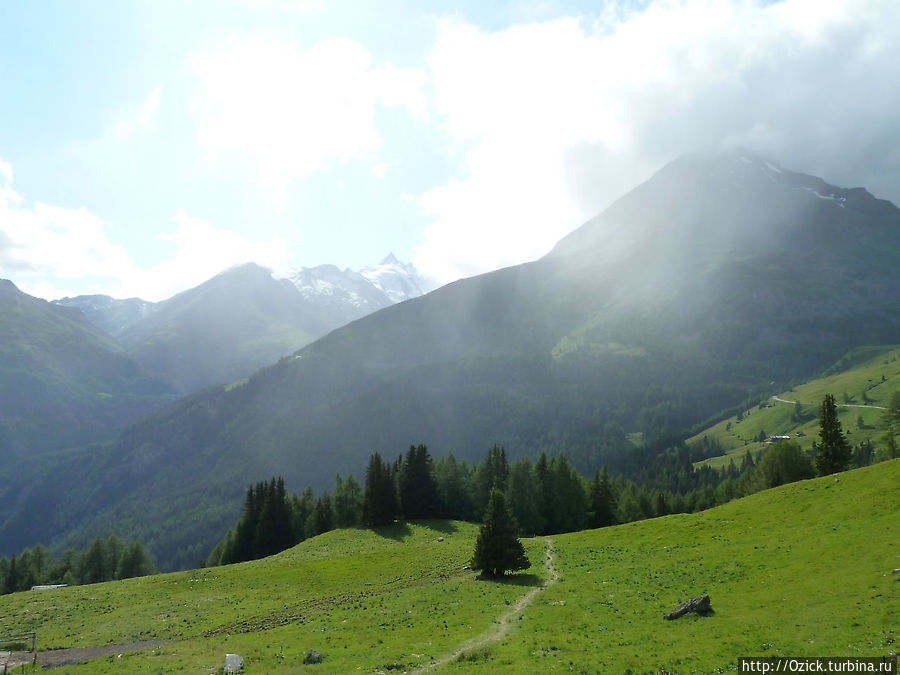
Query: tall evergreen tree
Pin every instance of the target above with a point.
(545, 490)
(135, 562)
(301, 508)
(525, 497)
(492, 473)
(453, 480)
(380, 499)
(94, 564)
(834, 453)
(321, 519)
(602, 500)
(497, 548)
(347, 501)
(419, 494)
(567, 501)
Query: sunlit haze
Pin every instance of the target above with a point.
(146, 146)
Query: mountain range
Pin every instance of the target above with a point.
(78, 370)
(719, 278)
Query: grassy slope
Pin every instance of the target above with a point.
(801, 570)
(362, 598)
(867, 366)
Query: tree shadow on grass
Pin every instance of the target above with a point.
(513, 579)
(398, 531)
(443, 526)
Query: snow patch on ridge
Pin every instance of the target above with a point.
(829, 197)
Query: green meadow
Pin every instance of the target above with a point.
(865, 377)
(804, 569)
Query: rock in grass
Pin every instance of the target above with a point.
(233, 663)
(699, 605)
(312, 656)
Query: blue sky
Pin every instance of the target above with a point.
(145, 146)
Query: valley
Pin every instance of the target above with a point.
(449, 337)
(727, 282)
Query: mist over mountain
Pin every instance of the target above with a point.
(110, 314)
(717, 277)
(63, 381)
(79, 370)
(243, 318)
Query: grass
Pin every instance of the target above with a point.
(803, 569)
(361, 598)
(864, 374)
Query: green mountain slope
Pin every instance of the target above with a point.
(63, 382)
(804, 569)
(712, 280)
(862, 383)
(224, 329)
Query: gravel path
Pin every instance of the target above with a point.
(497, 632)
(68, 657)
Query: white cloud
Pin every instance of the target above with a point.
(51, 252)
(562, 117)
(202, 251)
(293, 112)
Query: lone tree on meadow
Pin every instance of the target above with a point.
(498, 549)
(834, 451)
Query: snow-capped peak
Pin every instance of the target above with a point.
(397, 280)
(371, 288)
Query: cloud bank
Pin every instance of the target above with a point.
(563, 117)
(45, 249)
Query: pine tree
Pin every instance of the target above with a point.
(602, 500)
(301, 508)
(419, 494)
(454, 484)
(493, 473)
(542, 473)
(524, 497)
(380, 500)
(497, 548)
(135, 562)
(94, 563)
(321, 519)
(347, 501)
(834, 452)
(567, 502)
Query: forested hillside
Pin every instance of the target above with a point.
(709, 285)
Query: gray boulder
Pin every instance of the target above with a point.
(699, 605)
(312, 656)
(233, 663)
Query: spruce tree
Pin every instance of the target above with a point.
(602, 500)
(135, 562)
(419, 494)
(380, 499)
(497, 548)
(454, 484)
(492, 473)
(834, 451)
(347, 500)
(525, 497)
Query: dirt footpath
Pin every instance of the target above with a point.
(69, 657)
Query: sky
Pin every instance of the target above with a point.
(147, 146)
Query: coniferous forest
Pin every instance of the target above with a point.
(104, 560)
(547, 496)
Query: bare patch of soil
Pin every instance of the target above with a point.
(69, 657)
